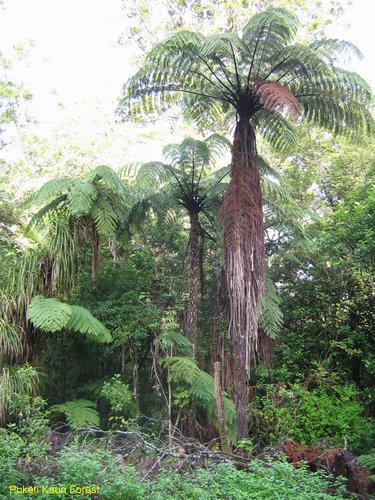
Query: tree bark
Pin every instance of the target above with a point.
(192, 313)
(242, 216)
(225, 446)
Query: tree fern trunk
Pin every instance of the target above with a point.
(242, 215)
(192, 314)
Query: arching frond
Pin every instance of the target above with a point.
(80, 413)
(106, 174)
(104, 217)
(51, 189)
(266, 34)
(278, 131)
(51, 315)
(81, 197)
(82, 321)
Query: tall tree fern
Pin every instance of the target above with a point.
(184, 182)
(266, 79)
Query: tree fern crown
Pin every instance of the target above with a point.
(265, 72)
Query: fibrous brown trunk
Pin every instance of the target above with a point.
(242, 216)
(192, 314)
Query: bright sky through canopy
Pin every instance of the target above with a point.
(76, 58)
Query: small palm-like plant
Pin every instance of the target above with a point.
(266, 80)
(79, 210)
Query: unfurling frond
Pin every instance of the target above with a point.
(275, 97)
(80, 413)
(51, 315)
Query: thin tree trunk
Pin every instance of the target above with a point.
(225, 446)
(192, 314)
(95, 246)
(242, 215)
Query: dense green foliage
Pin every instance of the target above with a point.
(102, 381)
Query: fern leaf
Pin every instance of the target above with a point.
(51, 189)
(105, 218)
(271, 318)
(81, 320)
(81, 197)
(79, 413)
(108, 175)
(50, 315)
(182, 369)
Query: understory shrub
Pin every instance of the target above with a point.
(80, 466)
(333, 415)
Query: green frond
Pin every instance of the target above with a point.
(51, 189)
(151, 174)
(353, 84)
(50, 315)
(271, 318)
(38, 218)
(297, 61)
(82, 321)
(79, 413)
(278, 131)
(327, 110)
(222, 45)
(105, 218)
(81, 197)
(203, 392)
(274, 191)
(184, 41)
(182, 369)
(107, 174)
(332, 49)
(267, 33)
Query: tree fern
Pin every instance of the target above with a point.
(79, 413)
(51, 315)
(264, 79)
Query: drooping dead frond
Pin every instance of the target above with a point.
(276, 97)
